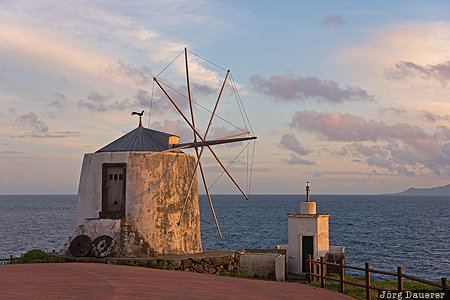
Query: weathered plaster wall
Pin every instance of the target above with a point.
(156, 190)
(293, 247)
(156, 187)
(323, 244)
(89, 201)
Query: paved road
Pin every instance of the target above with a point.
(102, 281)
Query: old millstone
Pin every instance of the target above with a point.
(102, 246)
(80, 245)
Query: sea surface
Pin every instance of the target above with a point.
(387, 231)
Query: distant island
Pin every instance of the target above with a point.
(436, 191)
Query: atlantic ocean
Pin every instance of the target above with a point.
(387, 231)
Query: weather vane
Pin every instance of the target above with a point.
(140, 116)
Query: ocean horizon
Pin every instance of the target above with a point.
(385, 230)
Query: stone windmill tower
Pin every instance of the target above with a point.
(129, 191)
(138, 195)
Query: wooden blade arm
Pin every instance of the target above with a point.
(213, 142)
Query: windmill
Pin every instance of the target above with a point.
(200, 141)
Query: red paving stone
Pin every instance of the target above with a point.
(102, 281)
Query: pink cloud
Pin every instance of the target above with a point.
(291, 88)
(417, 149)
(350, 128)
(336, 126)
(177, 127)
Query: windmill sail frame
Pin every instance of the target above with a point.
(203, 140)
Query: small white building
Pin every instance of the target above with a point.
(307, 235)
(133, 190)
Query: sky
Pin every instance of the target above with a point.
(352, 96)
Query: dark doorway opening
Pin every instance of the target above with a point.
(307, 249)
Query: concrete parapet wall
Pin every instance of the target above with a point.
(335, 255)
(265, 263)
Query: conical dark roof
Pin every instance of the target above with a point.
(142, 139)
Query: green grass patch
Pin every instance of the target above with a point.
(38, 256)
(160, 266)
(224, 272)
(132, 263)
(360, 293)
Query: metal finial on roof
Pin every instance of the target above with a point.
(140, 116)
(307, 191)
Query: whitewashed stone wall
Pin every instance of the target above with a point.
(156, 187)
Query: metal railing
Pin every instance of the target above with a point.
(312, 275)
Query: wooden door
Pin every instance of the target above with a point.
(113, 198)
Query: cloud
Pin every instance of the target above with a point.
(141, 75)
(36, 128)
(407, 149)
(57, 134)
(333, 20)
(58, 101)
(394, 110)
(295, 160)
(349, 128)
(391, 157)
(32, 124)
(336, 126)
(443, 132)
(143, 98)
(290, 142)
(433, 117)
(177, 127)
(221, 132)
(94, 102)
(203, 89)
(33, 44)
(218, 132)
(86, 40)
(291, 88)
(405, 69)
(12, 152)
(97, 102)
